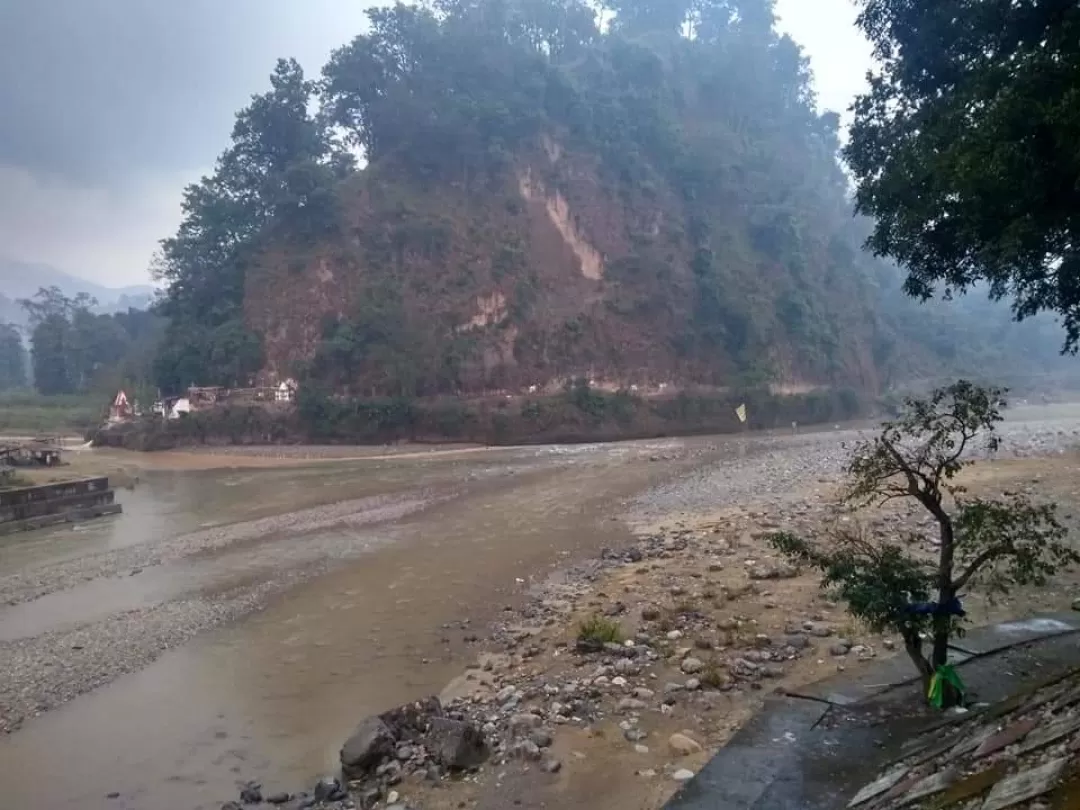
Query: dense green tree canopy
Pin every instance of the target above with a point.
(74, 349)
(279, 172)
(12, 358)
(965, 148)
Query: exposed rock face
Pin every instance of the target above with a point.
(548, 272)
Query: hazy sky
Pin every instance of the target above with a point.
(109, 107)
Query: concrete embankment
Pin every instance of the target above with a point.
(35, 507)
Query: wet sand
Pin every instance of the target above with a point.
(235, 623)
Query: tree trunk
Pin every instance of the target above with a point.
(913, 646)
(940, 657)
(942, 623)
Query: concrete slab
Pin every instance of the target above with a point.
(846, 689)
(889, 673)
(757, 756)
(809, 753)
(994, 637)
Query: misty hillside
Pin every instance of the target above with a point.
(653, 202)
(22, 280)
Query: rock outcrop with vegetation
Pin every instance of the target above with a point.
(646, 198)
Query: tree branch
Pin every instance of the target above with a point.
(977, 563)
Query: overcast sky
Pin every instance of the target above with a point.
(109, 107)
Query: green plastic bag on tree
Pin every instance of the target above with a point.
(944, 674)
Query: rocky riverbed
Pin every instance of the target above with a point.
(628, 670)
(44, 670)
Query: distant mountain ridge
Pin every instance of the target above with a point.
(23, 279)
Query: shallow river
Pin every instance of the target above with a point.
(242, 621)
(353, 623)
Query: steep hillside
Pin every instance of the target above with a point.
(650, 204)
(548, 272)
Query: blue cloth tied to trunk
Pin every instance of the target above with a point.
(949, 608)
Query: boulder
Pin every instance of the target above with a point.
(410, 720)
(456, 744)
(778, 570)
(818, 629)
(691, 665)
(362, 752)
(525, 722)
(251, 793)
(542, 737)
(327, 789)
(796, 641)
(840, 648)
(683, 745)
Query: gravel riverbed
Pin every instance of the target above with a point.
(44, 670)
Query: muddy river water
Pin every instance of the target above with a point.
(236, 623)
(352, 600)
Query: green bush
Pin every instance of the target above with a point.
(600, 630)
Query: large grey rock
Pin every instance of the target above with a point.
(691, 665)
(683, 745)
(542, 737)
(410, 720)
(456, 744)
(778, 570)
(840, 648)
(796, 641)
(362, 752)
(326, 789)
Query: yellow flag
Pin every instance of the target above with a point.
(741, 412)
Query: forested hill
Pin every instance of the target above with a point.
(648, 198)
